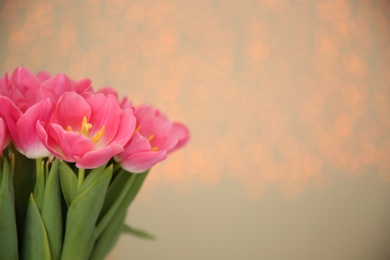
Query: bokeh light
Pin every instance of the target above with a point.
(276, 93)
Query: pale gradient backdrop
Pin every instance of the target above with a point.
(288, 103)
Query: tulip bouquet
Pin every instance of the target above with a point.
(72, 159)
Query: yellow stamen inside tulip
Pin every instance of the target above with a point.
(137, 129)
(98, 136)
(85, 128)
(154, 149)
(150, 138)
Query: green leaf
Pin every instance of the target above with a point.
(8, 232)
(123, 200)
(24, 182)
(109, 228)
(114, 190)
(52, 210)
(81, 218)
(68, 182)
(137, 232)
(109, 237)
(36, 243)
(111, 233)
(139, 180)
(93, 174)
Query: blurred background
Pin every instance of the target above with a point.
(288, 106)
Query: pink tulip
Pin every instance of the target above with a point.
(57, 85)
(43, 76)
(124, 103)
(4, 139)
(108, 91)
(181, 132)
(26, 98)
(26, 89)
(154, 138)
(88, 131)
(4, 85)
(21, 126)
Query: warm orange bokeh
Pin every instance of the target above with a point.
(277, 93)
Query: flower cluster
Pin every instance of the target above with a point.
(43, 115)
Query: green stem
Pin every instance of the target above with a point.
(80, 177)
(38, 167)
(39, 182)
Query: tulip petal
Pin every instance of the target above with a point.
(96, 158)
(57, 85)
(108, 91)
(48, 140)
(137, 144)
(43, 76)
(71, 109)
(28, 85)
(126, 127)
(181, 132)
(82, 86)
(106, 112)
(125, 103)
(141, 162)
(72, 144)
(165, 142)
(10, 114)
(144, 111)
(17, 97)
(5, 85)
(28, 141)
(151, 121)
(2, 136)
(25, 79)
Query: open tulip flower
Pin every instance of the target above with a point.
(91, 134)
(3, 136)
(154, 137)
(21, 126)
(72, 159)
(27, 98)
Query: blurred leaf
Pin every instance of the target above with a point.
(137, 232)
(36, 243)
(68, 182)
(52, 210)
(8, 232)
(81, 218)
